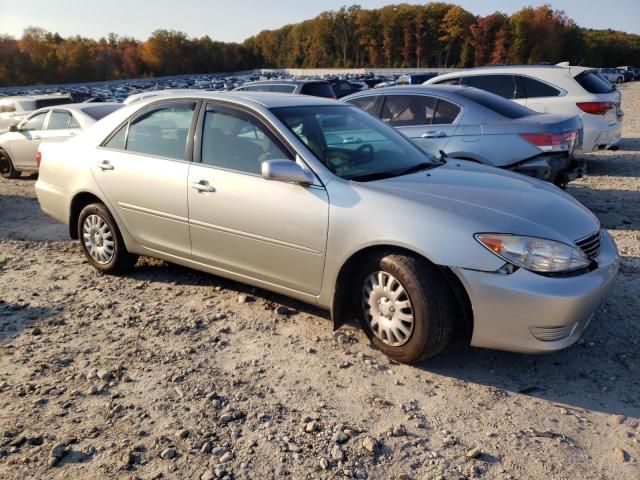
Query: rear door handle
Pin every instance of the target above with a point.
(104, 165)
(202, 186)
(434, 134)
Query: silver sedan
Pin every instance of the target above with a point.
(318, 200)
(469, 123)
(19, 146)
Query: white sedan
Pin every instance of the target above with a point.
(19, 146)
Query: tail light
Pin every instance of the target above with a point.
(596, 108)
(552, 142)
(38, 158)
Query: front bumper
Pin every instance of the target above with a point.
(530, 313)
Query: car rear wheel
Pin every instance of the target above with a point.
(405, 306)
(7, 170)
(102, 242)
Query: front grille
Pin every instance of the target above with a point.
(590, 245)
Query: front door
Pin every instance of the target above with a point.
(24, 143)
(142, 171)
(267, 230)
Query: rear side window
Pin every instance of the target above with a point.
(161, 132)
(446, 112)
(593, 83)
(283, 88)
(449, 81)
(100, 111)
(497, 104)
(503, 85)
(534, 88)
(408, 110)
(368, 103)
(59, 120)
(318, 90)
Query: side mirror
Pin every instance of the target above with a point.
(286, 171)
(14, 128)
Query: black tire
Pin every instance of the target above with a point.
(430, 297)
(121, 260)
(7, 170)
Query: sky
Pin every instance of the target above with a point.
(236, 20)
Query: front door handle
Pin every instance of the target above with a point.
(104, 165)
(36, 137)
(434, 134)
(202, 186)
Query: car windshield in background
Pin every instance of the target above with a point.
(593, 82)
(52, 102)
(100, 111)
(497, 104)
(352, 144)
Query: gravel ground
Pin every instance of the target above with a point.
(170, 373)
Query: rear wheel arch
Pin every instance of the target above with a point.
(343, 310)
(80, 200)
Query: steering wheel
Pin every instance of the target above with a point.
(365, 150)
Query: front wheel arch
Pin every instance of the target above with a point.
(344, 311)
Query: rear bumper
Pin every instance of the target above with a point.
(599, 135)
(53, 201)
(530, 313)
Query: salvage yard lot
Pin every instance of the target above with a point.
(171, 373)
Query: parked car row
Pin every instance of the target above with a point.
(321, 201)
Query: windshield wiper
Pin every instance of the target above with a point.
(419, 167)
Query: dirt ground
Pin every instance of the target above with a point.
(171, 373)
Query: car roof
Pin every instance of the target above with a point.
(573, 69)
(76, 107)
(254, 99)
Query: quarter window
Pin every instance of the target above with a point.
(534, 88)
(35, 123)
(235, 141)
(408, 110)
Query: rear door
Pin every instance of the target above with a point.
(142, 170)
(271, 231)
(61, 126)
(428, 121)
(503, 85)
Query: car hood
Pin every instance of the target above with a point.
(487, 199)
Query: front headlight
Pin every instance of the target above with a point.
(535, 254)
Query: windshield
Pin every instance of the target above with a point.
(353, 144)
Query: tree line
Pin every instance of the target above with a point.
(433, 35)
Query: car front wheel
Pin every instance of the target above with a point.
(7, 170)
(406, 306)
(102, 242)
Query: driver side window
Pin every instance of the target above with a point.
(235, 141)
(35, 123)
